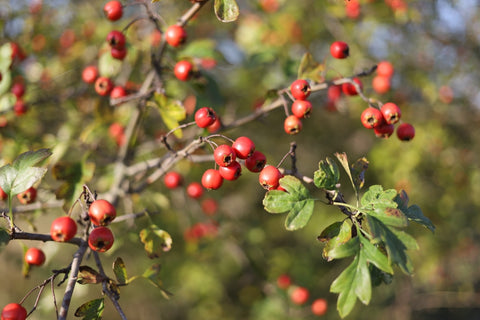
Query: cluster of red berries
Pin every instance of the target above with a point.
(25, 197)
(299, 295)
(117, 133)
(201, 230)
(301, 107)
(381, 83)
(104, 86)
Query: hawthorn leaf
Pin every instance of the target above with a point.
(91, 310)
(376, 197)
(327, 175)
(346, 249)
(31, 158)
(171, 111)
(88, 275)
(311, 69)
(375, 255)
(342, 158)
(120, 271)
(343, 235)
(413, 213)
(226, 10)
(153, 275)
(358, 172)
(330, 232)
(155, 240)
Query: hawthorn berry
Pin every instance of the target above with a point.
(14, 311)
(212, 179)
(173, 180)
(194, 190)
(183, 70)
(17, 53)
(35, 257)
(118, 54)
(113, 10)
(3, 194)
(116, 130)
(384, 130)
(101, 212)
(339, 50)
(205, 117)
(284, 281)
(300, 89)
(18, 89)
(334, 92)
(231, 172)
(349, 89)
(27, 196)
(224, 155)
(90, 74)
(63, 229)
(103, 86)
(244, 147)
(381, 84)
(215, 126)
(256, 162)
(175, 35)
(20, 108)
(269, 177)
(405, 132)
(371, 117)
(319, 307)
(209, 206)
(301, 108)
(299, 295)
(100, 239)
(292, 125)
(391, 112)
(118, 92)
(116, 39)
(385, 69)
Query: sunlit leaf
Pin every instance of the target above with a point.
(343, 235)
(226, 10)
(91, 310)
(310, 69)
(120, 271)
(343, 250)
(327, 175)
(331, 231)
(171, 111)
(375, 255)
(88, 275)
(155, 240)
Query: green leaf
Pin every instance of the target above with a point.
(374, 255)
(330, 232)
(171, 111)
(4, 237)
(31, 158)
(91, 310)
(311, 69)
(108, 66)
(155, 240)
(353, 282)
(343, 235)
(296, 200)
(120, 271)
(88, 275)
(342, 158)
(413, 213)
(226, 10)
(377, 198)
(346, 249)
(327, 175)
(358, 172)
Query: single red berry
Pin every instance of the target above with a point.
(244, 147)
(20, 108)
(100, 239)
(211, 179)
(391, 112)
(385, 69)
(405, 132)
(116, 129)
(349, 89)
(175, 35)
(300, 89)
(224, 155)
(284, 281)
(232, 172)
(381, 84)
(299, 295)
(195, 190)
(334, 92)
(209, 206)
(14, 311)
(205, 117)
(256, 162)
(116, 39)
(3, 194)
(63, 229)
(118, 92)
(292, 125)
(118, 54)
(339, 50)
(173, 180)
(113, 10)
(90, 74)
(101, 212)
(301, 108)
(319, 307)
(103, 86)
(183, 70)
(27, 196)
(269, 177)
(384, 130)
(18, 89)
(35, 257)
(371, 118)
(215, 126)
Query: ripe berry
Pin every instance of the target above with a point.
(90, 74)
(244, 147)
(232, 172)
(299, 295)
(100, 239)
(384, 130)
(300, 89)
(172, 180)
(205, 117)
(215, 126)
(116, 39)
(18, 89)
(292, 125)
(17, 53)
(391, 112)
(195, 190)
(14, 311)
(405, 132)
(371, 118)
(20, 108)
(118, 92)
(284, 281)
(224, 155)
(319, 307)
(35, 257)
(103, 86)
(339, 50)
(118, 54)
(385, 69)
(334, 92)
(101, 212)
(113, 10)
(349, 89)
(63, 229)
(175, 35)
(211, 179)
(116, 130)
(209, 206)
(381, 84)
(27, 196)
(3, 195)
(269, 177)
(183, 70)
(301, 108)
(256, 162)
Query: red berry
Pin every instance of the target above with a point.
(232, 172)
(349, 89)
(292, 125)
(35, 257)
(300, 89)
(100, 239)
(90, 74)
(175, 35)
(17, 53)
(385, 69)
(101, 212)
(209, 206)
(118, 54)
(18, 89)
(319, 307)
(14, 311)
(384, 130)
(3, 195)
(116, 130)
(27, 196)
(301, 108)
(391, 112)
(244, 147)
(116, 39)
(299, 295)
(256, 161)
(334, 92)
(381, 84)
(118, 92)
(371, 118)
(269, 177)
(224, 155)
(215, 126)
(284, 281)
(103, 86)
(20, 108)
(113, 10)
(205, 117)
(211, 179)
(63, 229)
(405, 132)
(173, 180)
(339, 50)
(183, 70)
(195, 190)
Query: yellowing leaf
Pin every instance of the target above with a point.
(171, 111)
(156, 241)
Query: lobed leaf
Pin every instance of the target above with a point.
(375, 255)
(413, 213)
(327, 175)
(343, 234)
